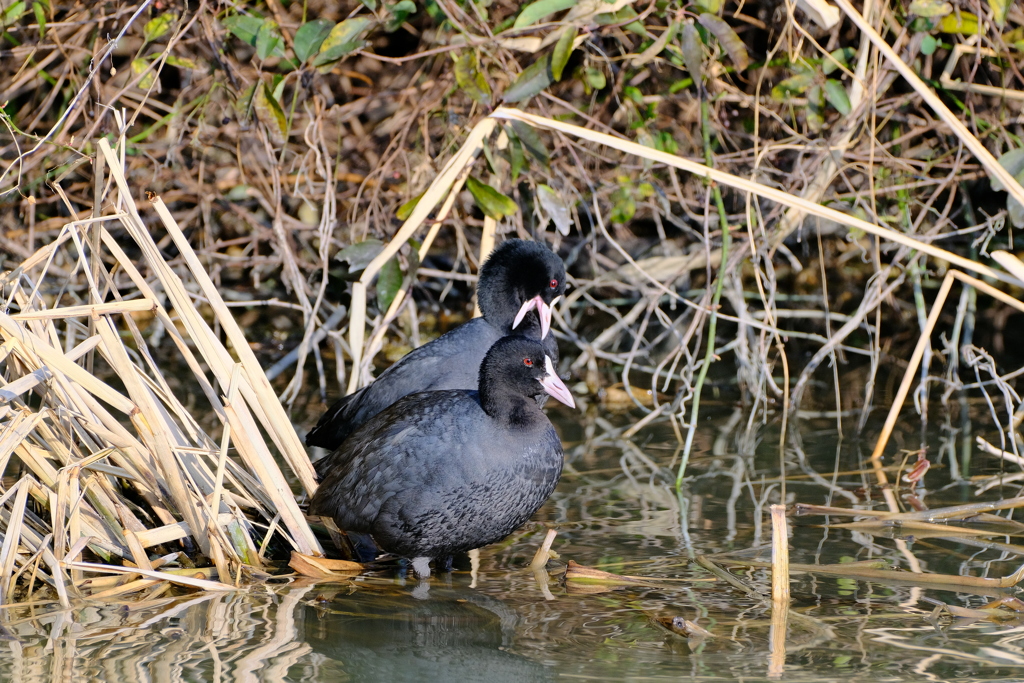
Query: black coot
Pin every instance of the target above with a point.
(520, 277)
(443, 472)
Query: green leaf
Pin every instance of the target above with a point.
(238, 193)
(681, 84)
(243, 27)
(534, 78)
(268, 40)
(491, 202)
(405, 210)
(407, 6)
(399, 13)
(962, 23)
(532, 142)
(243, 105)
(563, 50)
(360, 254)
(516, 158)
(1014, 209)
(843, 55)
(596, 79)
(435, 12)
(666, 143)
(269, 111)
(540, 10)
(139, 66)
(370, 4)
(470, 79)
(389, 281)
(794, 85)
(999, 8)
(656, 48)
(310, 37)
(930, 8)
(343, 39)
(712, 6)
(619, 18)
(814, 115)
(326, 60)
(157, 26)
(693, 51)
(492, 163)
(12, 13)
(278, 89)
(624, 207)
(727, 38)
(928, 45)
(1013, 162)
(181, 62)
(40, 12)
(555, 208)
(836, 95)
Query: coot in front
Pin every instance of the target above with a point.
(443, 472)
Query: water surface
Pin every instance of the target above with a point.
(614, 509)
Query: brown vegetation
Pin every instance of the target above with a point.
(278, 152)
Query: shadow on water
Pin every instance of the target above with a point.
(614, 509)
(445, 633)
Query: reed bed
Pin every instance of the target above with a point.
(116, 465)
(725, 258)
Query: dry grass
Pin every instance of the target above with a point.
(120, 466)
(835, 230)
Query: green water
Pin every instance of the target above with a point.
(614, 508)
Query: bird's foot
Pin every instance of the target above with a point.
(421, 565)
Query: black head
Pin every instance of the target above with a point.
(516, 369)
(519, 276)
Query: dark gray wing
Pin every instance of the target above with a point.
(451, 361)
(395, 452)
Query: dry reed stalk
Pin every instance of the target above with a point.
(89, 441)
(707, 563)
(911, 528)
(543, 553)
(486, 247)
(192, 582)
(1014, 266)
(447, 183)
(780, 557)
(870, 571)
(780, 592)
(258, 394)
(755, 188)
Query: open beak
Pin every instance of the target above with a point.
(555, 386)
(543, 310)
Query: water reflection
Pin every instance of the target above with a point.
(302, 633)
(614, 508)
(446, 633)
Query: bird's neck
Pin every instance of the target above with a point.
(512, 411)
(502, 320)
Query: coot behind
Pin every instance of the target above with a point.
(518, 284)
(443, 472)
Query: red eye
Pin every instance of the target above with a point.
(527, 362)
(553, 284)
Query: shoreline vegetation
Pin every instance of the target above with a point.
(745, 199)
